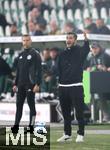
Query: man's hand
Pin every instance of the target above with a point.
(108, 69)
(36, 88)
(14, 88)
(89, 69)
(101, 68)
(85, 36)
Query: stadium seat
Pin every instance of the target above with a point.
(52, 3)
(81, 26)
(24, 29)
(1, 7)
(108, 25)
(78, 19)
(65, 1)
(103, 14)
(7, 31)
(1, 31)
(8, 17)
(109, 12)
(60, 3)
(46, 16)
(46, 2)
(108, 21)
(15, 16)
(13, 5)
(61, 15)
(6, 6)
(70, 15)
(53, 15)
(91, 2)
(77, 15)
(86, 13)
(21, 5)
(94, 14)
(14, 11)
(29, 16)
(22, 17)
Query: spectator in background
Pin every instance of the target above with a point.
(14, 30)
(42, 26)
(54, 52)
(70, 27)
(29, 5)
(98, 60)
(53, 26)
(87, 30)
(35, 15)
(101, 27)
(33, 29)
(3, 21)
(102, 3)
(46, 74)
(50, 70)
(9, 78)
(73, 4)
(39, 3)
(41, 29)
(45, 55)
(90, 25)
(9, 56)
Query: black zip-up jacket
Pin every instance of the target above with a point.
(70, 64)
(28, 68)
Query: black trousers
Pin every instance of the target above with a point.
(72, 97)
(23, 92)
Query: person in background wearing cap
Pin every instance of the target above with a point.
(70, 68)
(99, 60)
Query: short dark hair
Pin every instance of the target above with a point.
(25, 35)
(72, 33)
(54, 49)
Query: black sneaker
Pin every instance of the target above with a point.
(15, 129)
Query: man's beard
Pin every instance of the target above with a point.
(26, 46)
(69, 44)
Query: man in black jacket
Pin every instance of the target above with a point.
(28, 79)
(71, 94)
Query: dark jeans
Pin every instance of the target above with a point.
(23, 92)
(72, 97)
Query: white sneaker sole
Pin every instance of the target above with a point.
(61, 141)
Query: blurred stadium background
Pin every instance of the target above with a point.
(47, 21)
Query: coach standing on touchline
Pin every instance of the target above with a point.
(28, 79)
(71, 93)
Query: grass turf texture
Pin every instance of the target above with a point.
(92, 141)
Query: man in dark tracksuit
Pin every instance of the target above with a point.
(70, 67)
(28, 79)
